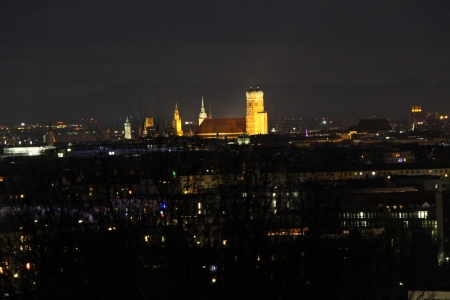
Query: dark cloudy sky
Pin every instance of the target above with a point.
(51, 49)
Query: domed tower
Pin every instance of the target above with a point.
(202, 115)
(127, 129)
(256, 117)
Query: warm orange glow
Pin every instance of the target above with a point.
(416, 109)
(291, 231)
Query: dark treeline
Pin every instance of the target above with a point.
(197, 225)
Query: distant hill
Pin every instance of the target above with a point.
(227, 99)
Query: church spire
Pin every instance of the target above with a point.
(177, 122)
(202, 115)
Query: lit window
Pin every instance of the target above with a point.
(422, 214)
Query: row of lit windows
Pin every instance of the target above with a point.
(373, 173)
(379, 215)
(408, 224)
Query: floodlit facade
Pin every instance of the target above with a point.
(202, 115)
(177, 126)
(255, 121)
(256, 117)
(127, 128)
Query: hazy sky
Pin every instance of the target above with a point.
(50, 49)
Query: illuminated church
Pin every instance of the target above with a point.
(176, 122)
(255, 121)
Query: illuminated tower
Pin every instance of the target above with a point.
(50, 136)
(256, 117)
(202, 115)
(127, 128)
(416, 117)
(176, 123)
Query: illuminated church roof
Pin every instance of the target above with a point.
(223, 127)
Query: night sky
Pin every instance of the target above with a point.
(54, 49)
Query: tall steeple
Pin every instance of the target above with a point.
(177, 122)
(202, 114)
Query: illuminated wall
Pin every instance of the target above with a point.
(127, 128)
(176, 123)
(256, 117)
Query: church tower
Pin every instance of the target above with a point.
(127, 128)
(256, 117)
(202, 115)
(177, 122)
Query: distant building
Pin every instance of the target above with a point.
(255, 121)
(256, 117)
(127, 128)
(387, 156)
(417, 119)
(28, 151)
(221, 128)
(176, 123)
(202, 115)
